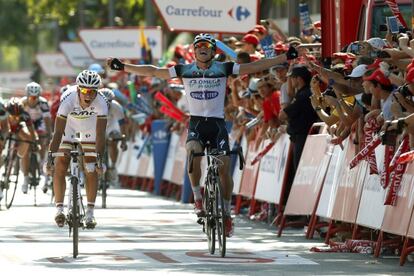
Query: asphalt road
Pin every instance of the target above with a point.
(152, 235)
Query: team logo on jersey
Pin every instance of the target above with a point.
(204, 95)
(222, 143)
(83, 114)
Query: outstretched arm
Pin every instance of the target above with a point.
(141, 70)
(264, 64)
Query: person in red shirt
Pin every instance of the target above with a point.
(271, 107)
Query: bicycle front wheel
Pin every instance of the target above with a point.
(209, 219)
(219, 215)
(75, 215)
(11, 177)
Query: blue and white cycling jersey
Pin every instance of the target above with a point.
(205, 89)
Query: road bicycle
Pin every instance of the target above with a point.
(213, 221)
(10, 176)
(76, 210)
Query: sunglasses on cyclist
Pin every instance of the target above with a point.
(203, 45)
(87, 90)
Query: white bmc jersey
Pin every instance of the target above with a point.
(116, 114)
(37, 113)
(205, 90)
(79, 120)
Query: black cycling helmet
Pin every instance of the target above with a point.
(205, 37)
(14, 106)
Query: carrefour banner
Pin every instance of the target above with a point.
(160, 142)
(214, 16)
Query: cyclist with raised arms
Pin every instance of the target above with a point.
(82, 111)
(38, 109)
(116, 128)
(205, 85)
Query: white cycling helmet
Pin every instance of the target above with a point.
(33, 89)
(108, 93)
(88, 79)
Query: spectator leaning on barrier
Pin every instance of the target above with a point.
(299, 114)
(381, 88)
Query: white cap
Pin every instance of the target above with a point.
(377, 43)
(358, 71)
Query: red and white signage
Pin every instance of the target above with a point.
(76, 53)
(272, 171)
(121, 43)
(55, 65)
(14, 80)
(215, 16)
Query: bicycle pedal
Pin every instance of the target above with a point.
(200, 221)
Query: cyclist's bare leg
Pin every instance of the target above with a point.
(195, 176)
(225, 177)
(23, 151)
(59, 182)
(91, 176)
(113, 152)
(24, 135)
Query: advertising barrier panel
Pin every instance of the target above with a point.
(272, 171)
(160, 142)
(349, 188)
(397, 219)
(310, 174)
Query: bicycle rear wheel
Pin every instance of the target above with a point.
(11, 177)
(209, 219)
(75, 215)
(219, 214)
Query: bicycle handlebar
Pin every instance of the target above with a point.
(238, 151)
(55, 154)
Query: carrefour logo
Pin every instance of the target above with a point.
(160, 134)
(204, 95)
(239, 13)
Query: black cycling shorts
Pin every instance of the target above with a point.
(207, 129)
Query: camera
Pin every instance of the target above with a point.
(264, 22)
(389, 138)
(403, 90)
(383, 28)
(383, 54)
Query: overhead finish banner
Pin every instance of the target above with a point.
(214, 16)
(55, 65)
(14, 80)
(121, 42)
(76, 53)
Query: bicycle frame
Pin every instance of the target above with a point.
(76, 209)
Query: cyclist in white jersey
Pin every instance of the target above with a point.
(38, 109)
(116, 128)
(82, 111)
(205, 82)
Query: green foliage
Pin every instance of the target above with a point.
(15, 26)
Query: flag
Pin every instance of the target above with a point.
(396, 11)
(146, 55)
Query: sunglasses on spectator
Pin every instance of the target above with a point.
(87, 90)
(203, 45)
